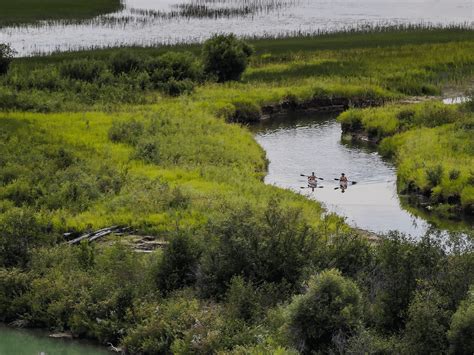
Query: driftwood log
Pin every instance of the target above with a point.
(97, 234)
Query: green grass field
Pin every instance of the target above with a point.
(22, 12)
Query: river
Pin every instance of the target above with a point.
(175, 21)
(302, 143)
(28, 342)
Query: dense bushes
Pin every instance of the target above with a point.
(327, 314)
(82, 69)
(226, 57)
(462, 327)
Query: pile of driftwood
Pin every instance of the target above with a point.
(97, 234)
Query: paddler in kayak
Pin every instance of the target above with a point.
(312, 180)
(343, 182)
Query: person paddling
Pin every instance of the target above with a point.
(343, 182)
(312, 179)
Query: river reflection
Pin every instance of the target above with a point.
(300, 143)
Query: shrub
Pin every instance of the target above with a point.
(176, 87)
(245, 112)
(82, 69)
(427, 323)
(226, 57)
(20, 231)
(327, 313)
(176, 65)
(6, 55)
(125, 61)
(434, 175)
(242, 300)
(462, 327)
(126, 131)
(245, 243)
(179, 264)
(148, 150)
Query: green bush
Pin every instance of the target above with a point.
(226, 57)
(178, 267)
(245, 112)
(462, 327)
(174, 65)
(13, 285)
(243, 300)
(126, 131)
(20, 231)
(327, 314)
(82, 69)
(244, 243)
(6, 55)
(125, 61)
(427, 323)
(148, 150)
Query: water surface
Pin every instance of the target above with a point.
(173, 21)
(28, 342)
(303, 143)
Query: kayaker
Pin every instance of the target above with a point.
(343, 182)
(312, 179)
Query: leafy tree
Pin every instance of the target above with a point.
(242, 300)
(461, 332)
(330, 311)
(178, 266)
(6, 55)
(125, 61)
(20, 230)
(427, 323)
(226, 57)
(276, 246)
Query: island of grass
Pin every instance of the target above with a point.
(143, 139)
(21, 12)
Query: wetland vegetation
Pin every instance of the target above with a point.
(23, 12)
(144, 138)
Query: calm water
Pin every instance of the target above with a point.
(306, 143)
(23, 342)
(173, 21)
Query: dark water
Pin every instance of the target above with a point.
(305, 143)
(151, 22)
(23, 342)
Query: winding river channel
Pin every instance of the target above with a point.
(302, 143)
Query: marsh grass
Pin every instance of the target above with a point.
(432, 146)
(23, 12)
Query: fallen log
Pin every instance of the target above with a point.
(95, 235)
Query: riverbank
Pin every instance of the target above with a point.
(79, 153)
(431, 145)
(23, 12)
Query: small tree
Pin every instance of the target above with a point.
(6, 55)
(226, 57)
(427, 323)
(330, 311)
(461, 332)
(178, 266)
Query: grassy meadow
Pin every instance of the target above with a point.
(140, 138)
(432, 146)
(23, 12)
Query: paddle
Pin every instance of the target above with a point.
(352, 182)
(311, 187)
(320, 178)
